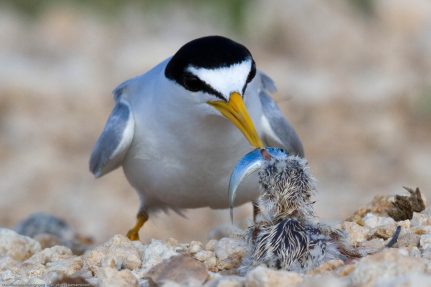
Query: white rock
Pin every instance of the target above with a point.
(372, 221)
(425, 241)
(51, 254)
(356, 232)
(386, 264)
(210, 246)
(203, 255)
(119, 252)
(408, 280)
(420, 219)
(229, 252)
(111, 277)
(226, 247)
(195, 246)
(325, 280)
(155, 253)
(17, 246)
(265, 277)
(226, 281)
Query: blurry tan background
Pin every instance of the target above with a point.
(354, 78)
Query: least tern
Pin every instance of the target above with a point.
(176, 130)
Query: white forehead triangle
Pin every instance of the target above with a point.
(224, 79)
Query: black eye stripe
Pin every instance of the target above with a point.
(194, 84)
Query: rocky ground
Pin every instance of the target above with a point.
(55, 254)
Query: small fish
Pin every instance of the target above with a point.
(250, 163)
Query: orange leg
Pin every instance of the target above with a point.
(141, 218)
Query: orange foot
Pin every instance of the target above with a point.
(141, 218)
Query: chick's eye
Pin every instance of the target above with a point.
(192, 83)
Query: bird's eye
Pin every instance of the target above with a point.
(192, 83)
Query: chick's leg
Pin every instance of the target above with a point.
(141, 218)
(256, 211)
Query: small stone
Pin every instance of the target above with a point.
(414, 251)
(195, 246)
(408, 239)
(328, 266)
(211, 264)
(230, 252)
(408, 280)
(420, 219)
(17, 246)
(210, 246)
(372, 221)
(373, 245)
(426, 253)
(265, 277)
(203, 255)
(425, 241)
(181, 269)
(155, 253)
(226, 281)
(48, 255)
(119, 252)
(111, 277)
(43, 223)
(346, 270)
(383, 231)
(356, 232)
(388, 263)
(328, 280)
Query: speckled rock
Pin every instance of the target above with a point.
(425, 241)
(229, 252)
(48, 265)
(386, 264)
(121, 262)
(372, 220)
(227, 281)
(329, 280)
(111, 277)
(265, 277)
(155, 252)
(16, 246)
(119, 253)
(408, 280)
(181, 269)
(356, 232)
(50, 230)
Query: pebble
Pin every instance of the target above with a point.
(265, 277)
(373, 221)
(121, 262)
(17, 246)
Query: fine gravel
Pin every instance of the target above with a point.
(47, 258)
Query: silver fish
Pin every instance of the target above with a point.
(250, 163)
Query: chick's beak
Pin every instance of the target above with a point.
(236, 112)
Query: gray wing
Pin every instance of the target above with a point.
(277, 130)
(114, 142)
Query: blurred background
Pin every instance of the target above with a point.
(353, 77)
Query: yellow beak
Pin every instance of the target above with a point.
(236, 112)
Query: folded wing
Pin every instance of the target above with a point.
(276, 128)
(114, 142)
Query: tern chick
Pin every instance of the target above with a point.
(286, 234)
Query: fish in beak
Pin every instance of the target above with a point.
(247, 165)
